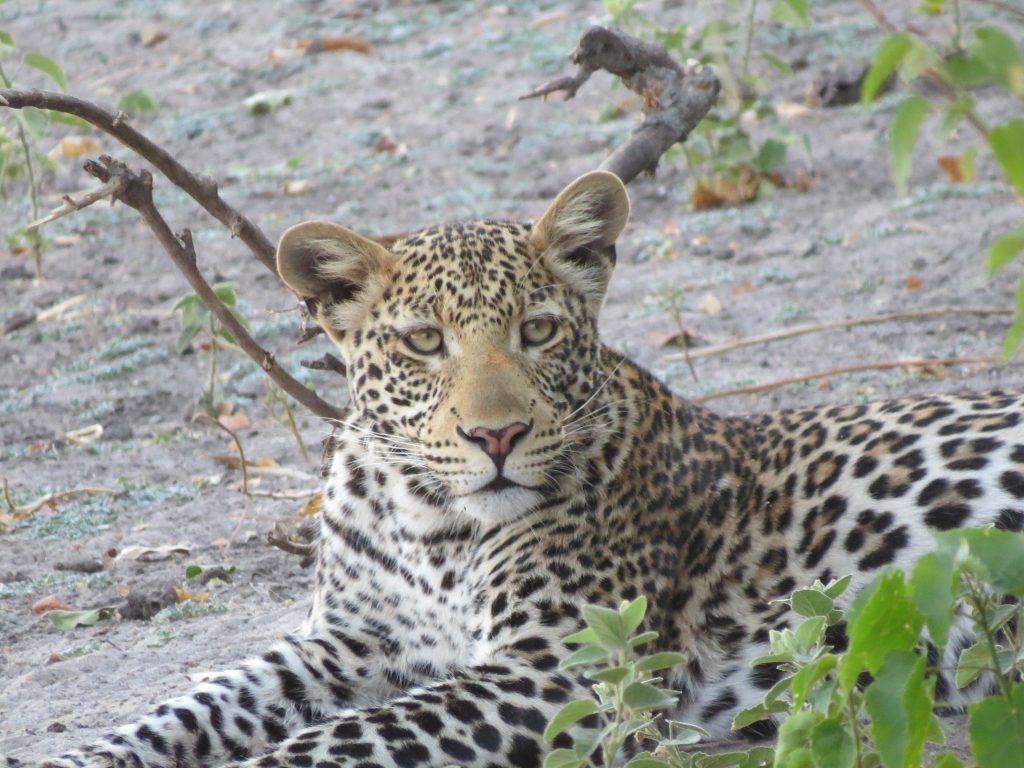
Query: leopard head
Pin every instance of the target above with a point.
(471, 350)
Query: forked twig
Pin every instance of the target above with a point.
(675, 97)
(70, 205)
(136, 191)
(17, 512)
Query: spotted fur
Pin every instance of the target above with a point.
(491, 479)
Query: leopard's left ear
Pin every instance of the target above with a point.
(577, 233)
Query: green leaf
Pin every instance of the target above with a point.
(890, 52)
(35, 121)
(757, 713)
(965, 70)
(794, 740)
(811, 602)
(186, 337)
(900, 702)
(588, 654)
(771, 156)
(1006, 141)
(226, 292)
(644, 696)
(836, 587)
(568, 716)
(632, 613)
(794, 12)
(613, 675)
(607, 625)
(1015, 333)
(933, 7)
(1000, 552)
(563, 758)
(832, 745)
(999, 52)
(933, 586)
(73, 619)
(805, 678)
(45, 64)
(659, 661)
(996, 728)
(881, 618)
(778, 63)
(1003, 250)
(6, 38)
(642, 639)
(647, 760)
(191, 571)
(136, 102)
(902, 136)
(974, 660)
(810, 632)
(582, 636)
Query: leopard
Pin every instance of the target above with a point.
(498, 468)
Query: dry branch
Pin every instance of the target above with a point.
(802, 330)
(879, 366)
(202, 189)
(136, 191)
(675, 97)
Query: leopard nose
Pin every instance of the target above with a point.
(496, 443)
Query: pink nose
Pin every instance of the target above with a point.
(496, 443)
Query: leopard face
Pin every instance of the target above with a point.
(481, 394)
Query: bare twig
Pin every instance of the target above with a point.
(206, 418)
(879, 366)
(675, 97)
(17, 512)
(202, 189)
(136, 192)
(278, 537)
(71, 205)
(801, 330)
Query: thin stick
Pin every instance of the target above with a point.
(202, 189)
(21, 511)
(206, 418)
(881, 366)
(801, 330)
(71, 205)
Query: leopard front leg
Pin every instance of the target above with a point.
(236, 714)
(489, 715)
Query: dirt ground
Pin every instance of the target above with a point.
(441, 85)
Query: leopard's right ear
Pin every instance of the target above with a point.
(335, 270)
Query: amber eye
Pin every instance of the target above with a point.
(538, 331)
(424, 341)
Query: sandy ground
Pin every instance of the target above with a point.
(441, 84)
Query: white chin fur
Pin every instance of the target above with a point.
(496, 506)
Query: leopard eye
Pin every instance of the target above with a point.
(424, 341)
(538, 331)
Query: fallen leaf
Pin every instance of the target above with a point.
(54, 656)
(152, 554)
(47, 604)
(710, 304)
(791, 110)
(150, 35)
(913, 283)
(199, 597)
(334, 43)
(181, 593)
(297, 187)
(234, 421)
(76, 146)
(72, 619)
(265, 102)
(824, 385)
(313, 506)
(687, 337)
(952, 166)
(385, 143)
(743, 287)
(84, 435)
